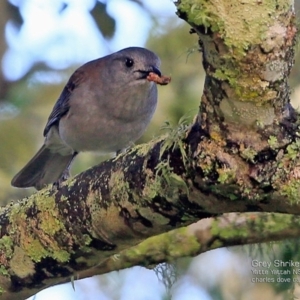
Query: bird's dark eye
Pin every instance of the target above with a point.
(129, 62)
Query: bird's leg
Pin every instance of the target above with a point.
(120, 151)
(124, 150)
(66, 173)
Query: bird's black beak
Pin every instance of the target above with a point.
(156, 71)
(145, 73)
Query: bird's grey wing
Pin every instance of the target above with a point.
(62, 105)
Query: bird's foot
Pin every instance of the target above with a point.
(64, 176)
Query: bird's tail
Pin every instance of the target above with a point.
(44, 168)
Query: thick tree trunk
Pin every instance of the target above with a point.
(240, 155)
(245, 113)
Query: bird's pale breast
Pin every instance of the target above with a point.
(108, 127)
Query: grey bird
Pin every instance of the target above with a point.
(106, 106)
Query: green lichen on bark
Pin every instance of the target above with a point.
(286, 178)
(164, 247)
(36, 235)
(291, 190)
(238, 41)
(119, 187)
(239, 23)
(266, 226)
(6, 246)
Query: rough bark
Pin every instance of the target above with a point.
(240, 155)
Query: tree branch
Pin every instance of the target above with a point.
(230, 229)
